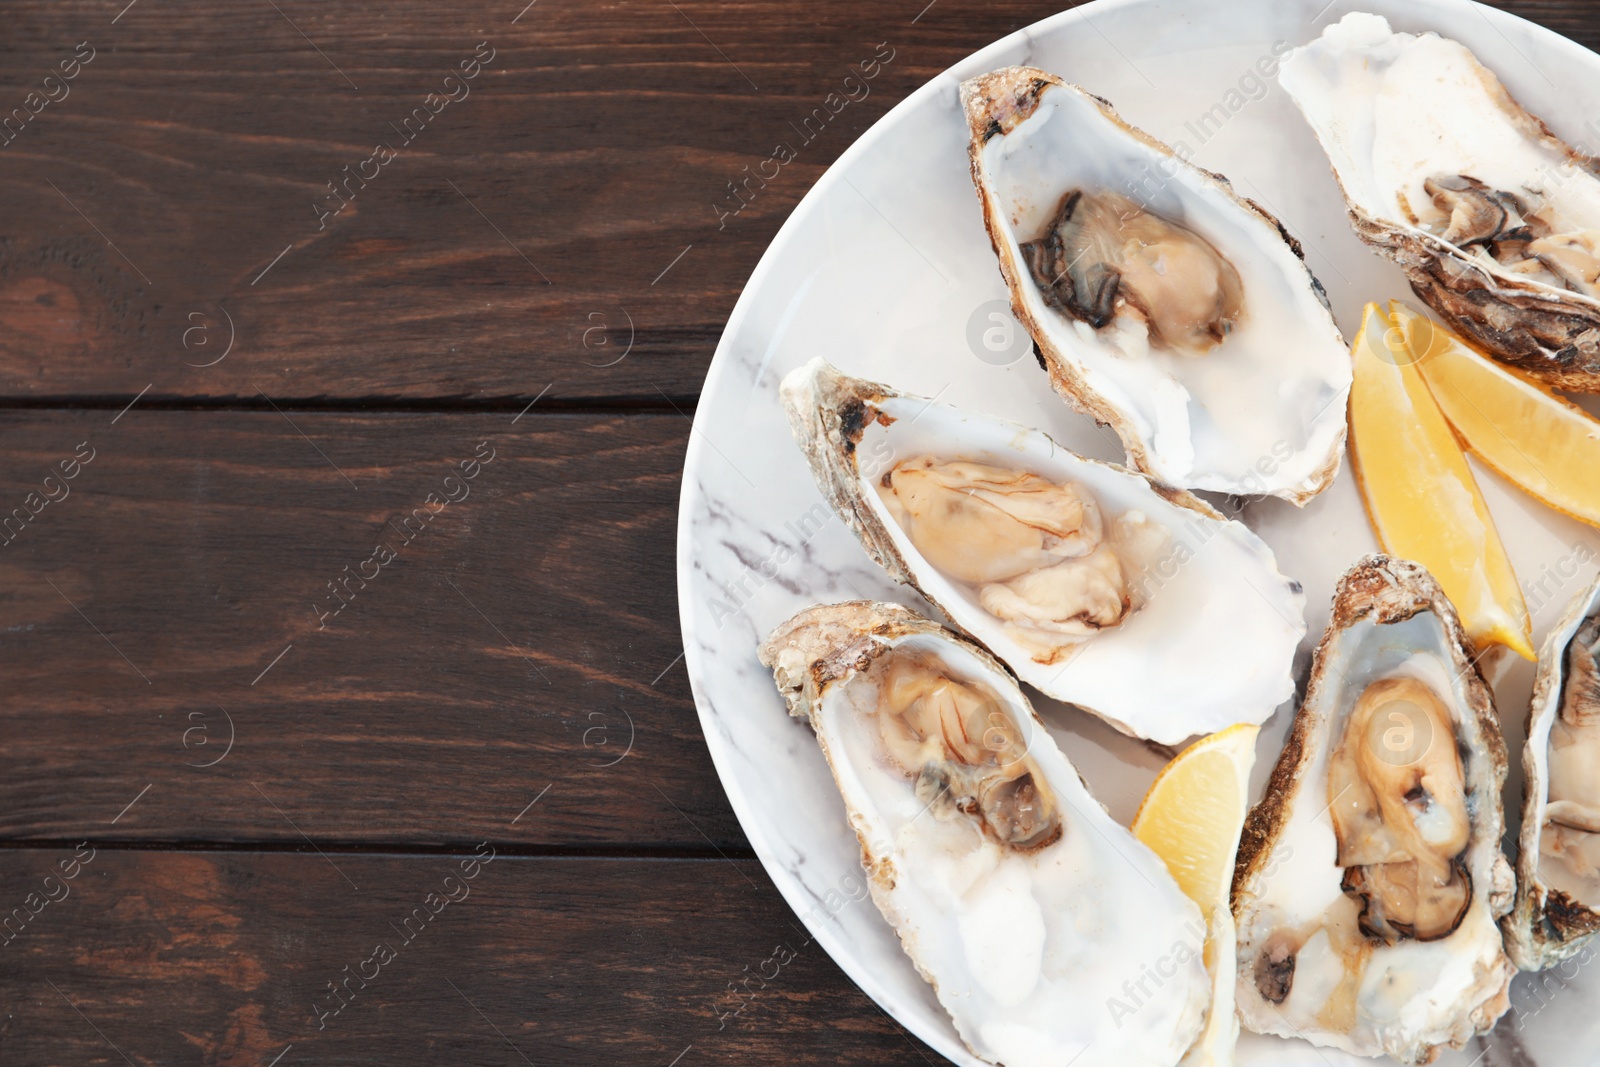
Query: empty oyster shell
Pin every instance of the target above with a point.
(1558, 869)
(1370, 878)
(1138, 603)
(1159, 302)
(1493, 218)
(1040, 922)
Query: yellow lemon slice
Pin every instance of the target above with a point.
(1546, 445)
(1420, 495)
(1194, 812)
(1192, 818)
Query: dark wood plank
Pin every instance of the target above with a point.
(505, 648)
(1576, 19)
(506, 247)
(227, 959)
(485, 258)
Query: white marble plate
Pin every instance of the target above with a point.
(885, 270)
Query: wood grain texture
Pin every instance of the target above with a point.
(161, 236)
(507, 245)
(507, 646)
(226, 959)
(520, 238)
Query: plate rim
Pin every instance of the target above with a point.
(946, 1043)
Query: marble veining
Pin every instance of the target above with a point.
(882, 270)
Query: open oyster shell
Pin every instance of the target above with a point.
(1159, 302)
(1370, 877)
(1558, 888)
(1209, 626)
(1494, 219)
(1032, 915)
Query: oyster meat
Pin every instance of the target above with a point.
(1104, 256)
(1136, 602)
(1558, 868)
(1159, 302)
(1048, 932)
(1370, 878)
(1494, 219)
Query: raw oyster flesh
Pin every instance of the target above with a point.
(1072, 572)
(1049, 933)
(1370, 878)
(1160, 303)
(1558, 868)
(1494, 219)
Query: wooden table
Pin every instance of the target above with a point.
(337, 552)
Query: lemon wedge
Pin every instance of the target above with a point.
(1194, 812)
(1192, 818)
(1420, 495)
(1546, 445)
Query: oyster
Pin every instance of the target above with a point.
(1494, 219)
(1558, 869)
(1370, 878)
(1049, 933)
(1072, 572)
(1159, 302)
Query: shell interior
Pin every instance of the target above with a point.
(1401, 110)
(1037, 954)
(1307, 965)
(1495, 220)
(1263, 411)
(1218, 620)
(1558, 902)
